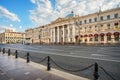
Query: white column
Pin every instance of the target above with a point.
(73, 33)
(68, 36)
(51, 38)
(58, 34)
(99, 39)
(105, 39)
(54, 34)
(112, 38)
(63, 34)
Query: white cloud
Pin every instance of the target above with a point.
(5, 13)
(2, 28)
(20, 27)
(11, 25)
(44, 12)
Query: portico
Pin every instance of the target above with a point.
(63, 34)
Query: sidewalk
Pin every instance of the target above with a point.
(18, 69)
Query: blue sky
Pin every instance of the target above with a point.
(22, 14)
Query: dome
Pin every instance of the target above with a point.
(71, 14)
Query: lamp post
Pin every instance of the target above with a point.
(40, 36)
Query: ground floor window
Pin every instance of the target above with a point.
(70, 39)
(91, 39)
(96, 38)
(85, 40)
(102, 38)
(108, 38)
(116, 37)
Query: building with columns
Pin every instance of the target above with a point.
(63, 30)
(99, 27)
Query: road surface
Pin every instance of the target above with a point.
(75, 57)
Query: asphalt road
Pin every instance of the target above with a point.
(75, 57)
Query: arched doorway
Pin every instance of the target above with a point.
(76, 39)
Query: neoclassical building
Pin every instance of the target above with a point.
(12, 37)
(99, 27)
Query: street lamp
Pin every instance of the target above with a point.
(40, 36)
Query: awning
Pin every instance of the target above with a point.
(109, 34)
(116, 33)
(81, 35)
(90, 35)
(102, 34)
(76, 36)
(116, 23)
(95, 35)
(85, 35)
(27, 38)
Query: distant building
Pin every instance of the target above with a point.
(11, 37)
(33, 35)
(99, 27)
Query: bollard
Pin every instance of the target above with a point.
(28, 57)
(96, 75)
(48, 64)
(3, 50)
(0, 49)
(8, 52)
(16, 54)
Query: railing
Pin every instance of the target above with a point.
(50, 60)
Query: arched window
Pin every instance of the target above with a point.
(109, 36)
(96, 37)
(116, 36)
(102, 36)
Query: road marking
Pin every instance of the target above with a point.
(76, 56)
(98, 55)
(27, 73)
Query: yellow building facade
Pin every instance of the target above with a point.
(12, 37)
(99, 27)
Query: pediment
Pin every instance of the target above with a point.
(57, 20)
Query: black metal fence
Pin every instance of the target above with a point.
(96, 67)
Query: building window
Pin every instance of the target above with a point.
(91, 39)
(101, 18)
(96, 38)
(108, 17)
(80, 22)
(90, 28)
(95, 28)
(95, 19)
(85, 40)
(108, 26)
(85, 29)
(116, 37)
(101, 26)
(116, 26)
(85, 21)
(90, 20)
(116, 15)
(102, 38)
(108, 38)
